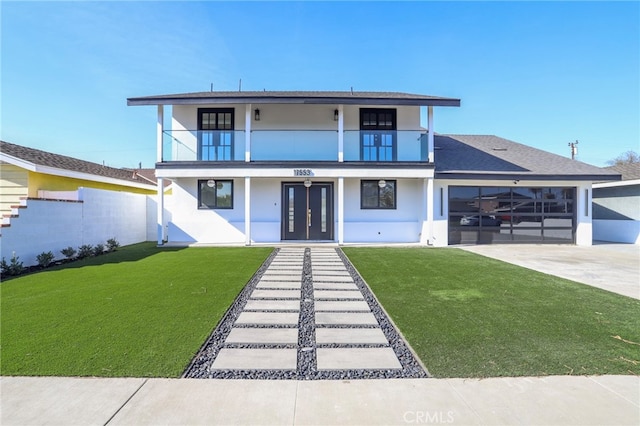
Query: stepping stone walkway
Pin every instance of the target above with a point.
(306, 314)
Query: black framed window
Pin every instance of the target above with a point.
(215, 194)
(378, 134)
(373, 195)
(215, 134)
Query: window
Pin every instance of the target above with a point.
(378, 134)
(215, 134)
(373, 196)
(215, 194)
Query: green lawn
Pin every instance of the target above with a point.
(470, 316)
(141, 311)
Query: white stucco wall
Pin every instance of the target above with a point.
(99, 215)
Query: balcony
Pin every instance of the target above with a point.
(295, 145)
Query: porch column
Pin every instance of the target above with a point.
(247, 133)
(340, 133)
(341, 210)
(247, 211)
(160, 212)
(159, 130)
(431, 132)
(429, 206)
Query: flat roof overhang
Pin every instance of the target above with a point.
(480, 176)
(317, 98)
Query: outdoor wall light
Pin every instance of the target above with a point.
(336, 114)
(382, 183)
(256, 114)
(307, 183)
(211, 183)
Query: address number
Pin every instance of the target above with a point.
(302, 172)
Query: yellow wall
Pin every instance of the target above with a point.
(39, 181)
(13, 186)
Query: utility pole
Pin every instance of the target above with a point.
(574, 149)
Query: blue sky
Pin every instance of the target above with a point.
(540, 73)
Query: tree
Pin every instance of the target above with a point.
(629, 157)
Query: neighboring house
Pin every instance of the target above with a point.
(616, 206)
(52, 201)
(355, 167)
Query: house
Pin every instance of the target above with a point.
(51, 201)
(354, 167)
(616, 206)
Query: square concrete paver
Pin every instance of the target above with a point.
(281, 276)
(338, 273)
(276, 294)
(256, 359)
(337, 294)
(351, 335)
(334, 286)
(334, 305)
(333, 278)
(263, 335)
(279, 318)
(345, 318)
(273, 305)
(357, 358)
(279, 284)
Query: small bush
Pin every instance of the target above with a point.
(98, 250)
(44, 259)
(85, 250)
(112, 244)
(15, 267)
(69, 252)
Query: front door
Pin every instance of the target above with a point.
(307, 213)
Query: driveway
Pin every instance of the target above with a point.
(612, 267)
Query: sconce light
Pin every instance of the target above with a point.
(382, 183)
(256, 114)
(515, 182)
(336, 114)
(307, 183)
(211, 183)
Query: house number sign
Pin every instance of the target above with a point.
(302, 172)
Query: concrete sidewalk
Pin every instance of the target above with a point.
(553, 400)
(612, 267)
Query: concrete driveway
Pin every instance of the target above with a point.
(612, 267)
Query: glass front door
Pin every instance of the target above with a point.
(307, 213)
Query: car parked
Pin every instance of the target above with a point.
(476, 220)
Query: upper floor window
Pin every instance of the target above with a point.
(378, 134)
(215, 134)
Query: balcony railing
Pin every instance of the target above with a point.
(295, 145)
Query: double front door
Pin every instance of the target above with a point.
(307, 212)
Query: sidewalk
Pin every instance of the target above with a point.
(553, 400)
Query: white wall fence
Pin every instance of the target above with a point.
(94, 216)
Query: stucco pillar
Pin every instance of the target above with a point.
(340, 133)
(340, 210)
(159, 132)
(247, 211)
(247, 133)
(160, 213)
(430, 142)
(426, 235)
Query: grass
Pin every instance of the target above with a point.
(470, 316)
(140, 311)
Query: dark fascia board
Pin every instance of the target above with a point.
(168, 165)
(518, 177)
(317, 100)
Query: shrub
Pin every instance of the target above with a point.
(14, 268)
(45, 258)
(85, 250)
(98, 250)
(112, 244)
(69, 252)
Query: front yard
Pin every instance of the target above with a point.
(144, 311)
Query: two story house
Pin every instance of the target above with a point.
(354, 167)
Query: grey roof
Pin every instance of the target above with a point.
(628, 171)
(492, 157)
(295, 97)
(48, 159)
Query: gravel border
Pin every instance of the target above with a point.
(306, 347)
